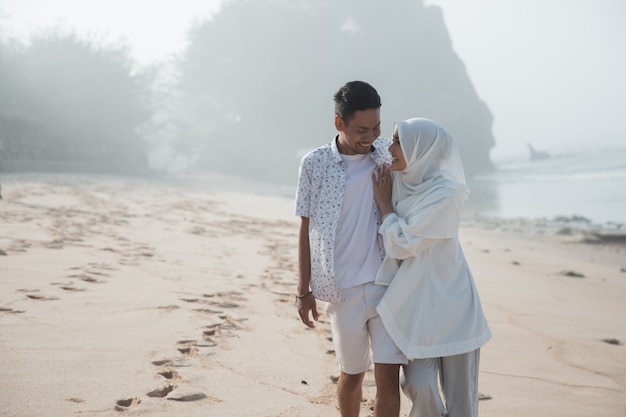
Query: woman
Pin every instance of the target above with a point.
(431, 308)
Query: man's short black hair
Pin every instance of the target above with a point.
(355, 96)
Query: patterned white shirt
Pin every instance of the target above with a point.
(319, 196)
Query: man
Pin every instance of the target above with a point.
(339, 250)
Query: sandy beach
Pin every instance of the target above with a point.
(150, 298)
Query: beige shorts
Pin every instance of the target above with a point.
(356, 326)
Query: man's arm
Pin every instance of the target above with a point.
(305, 302)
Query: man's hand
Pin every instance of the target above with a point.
(306, 305)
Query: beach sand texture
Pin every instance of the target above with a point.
(147, 298)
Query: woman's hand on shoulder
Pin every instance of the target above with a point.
(382, 180)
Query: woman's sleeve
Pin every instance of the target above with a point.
(398, 243)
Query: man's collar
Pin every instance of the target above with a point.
(333, 146)
(337, 154)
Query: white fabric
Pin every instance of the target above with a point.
(358, 332)
(319, 197)
(431, 307)
(357, 256)
(458, 376)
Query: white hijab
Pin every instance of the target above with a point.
(434, 172)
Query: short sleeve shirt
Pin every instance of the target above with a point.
(319, 197)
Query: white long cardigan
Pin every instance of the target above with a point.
(431, 307)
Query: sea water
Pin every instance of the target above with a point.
(590, 184)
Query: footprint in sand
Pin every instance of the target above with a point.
(161, 392)
(127, 404)
(104, 266)
(71, 288)
(175, 363)
(190, 350)
(59, 283)
(98, 273)
(41, 297)
(190, 300)
(229, 324)
(220, 304)
(573, 274)
(224, 328)
(170, 307)
(130, 262)
(227, 305)
(171, 374)
(75, 400)
(146, 254)
(192, 345)
(68, 286)
(186, 396)
(207, 342)
(208, 310)
(233, 295)
(207, 333)
(10, 310)
(86, 278)
(91, 280)
(484, 397)
(55, 244)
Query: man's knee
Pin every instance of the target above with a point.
(350, 381)
(387, 377)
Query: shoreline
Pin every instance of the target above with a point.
(574, 228)
(216, 182)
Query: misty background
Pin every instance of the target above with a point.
(245, 88)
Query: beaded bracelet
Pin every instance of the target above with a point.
(304, 295)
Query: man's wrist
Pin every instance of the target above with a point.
(304, 295)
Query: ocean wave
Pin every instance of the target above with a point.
(581, 166)
(512, 176)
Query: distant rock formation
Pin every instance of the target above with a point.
(435, 84)
(269, 92)
(537, 155)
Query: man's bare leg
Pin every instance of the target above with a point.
(349, 394)
(387, 403)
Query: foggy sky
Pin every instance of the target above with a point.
(551, 72)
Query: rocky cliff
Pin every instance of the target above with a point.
(266, 72)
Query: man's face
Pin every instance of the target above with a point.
(357, 134)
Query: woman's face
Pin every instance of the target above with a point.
(398, 163)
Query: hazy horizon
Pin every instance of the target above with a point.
(550, 72)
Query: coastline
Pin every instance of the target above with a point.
(158, 298)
